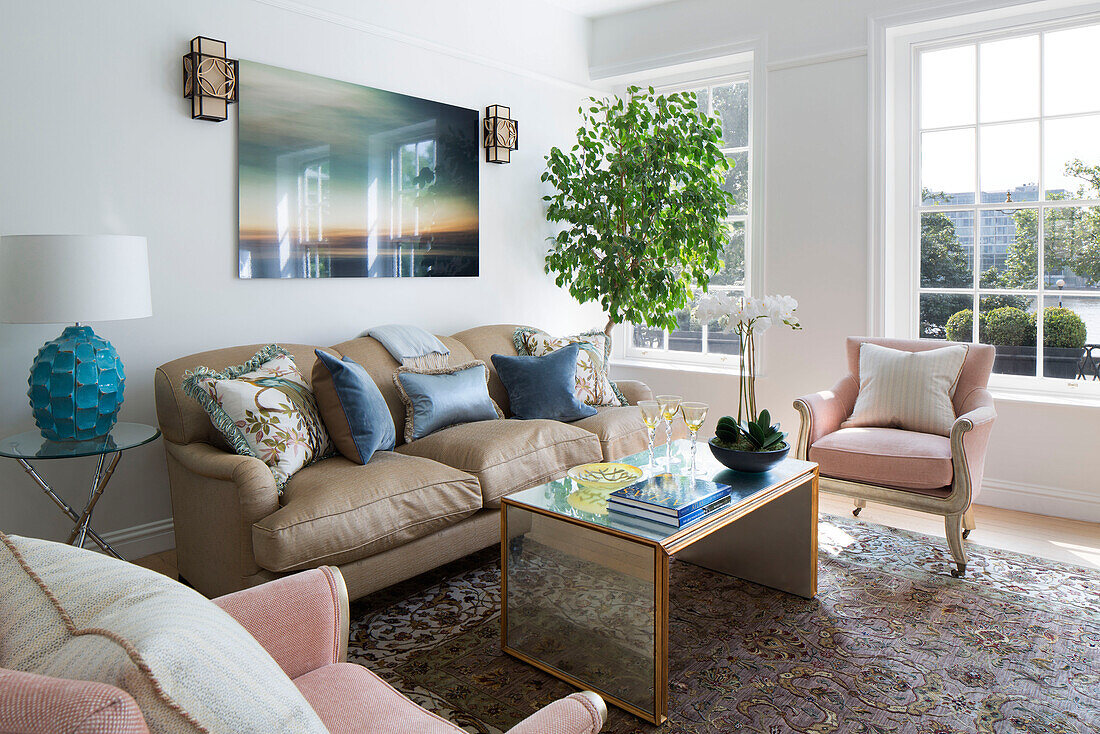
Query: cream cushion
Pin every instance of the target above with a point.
(266, 409)
(70, 613)
(907, 390)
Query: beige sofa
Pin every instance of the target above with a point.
(404, 512)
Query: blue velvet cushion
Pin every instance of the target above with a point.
(352, 407)
(543, 387)
(435, 399)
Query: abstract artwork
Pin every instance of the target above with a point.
(341, 180)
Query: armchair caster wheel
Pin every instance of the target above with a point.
(960, 571)
(966, 534)
(856, 511)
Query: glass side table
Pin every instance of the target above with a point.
(31, 446)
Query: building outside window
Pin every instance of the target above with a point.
(1006, 196)
(730, 99)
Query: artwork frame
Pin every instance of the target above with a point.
(337, 179)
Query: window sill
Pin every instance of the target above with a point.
(674, 366)
(1066, 396)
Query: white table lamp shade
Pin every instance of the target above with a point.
(59, 279)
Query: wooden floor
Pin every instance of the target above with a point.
(1072, 541)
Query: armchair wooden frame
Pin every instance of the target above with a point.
(823, 413)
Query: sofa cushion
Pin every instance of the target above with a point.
(543, 387)
(69, 613)
(337, 511)
(888, 457)
(347, 696)
(265, 408)
(352, 407)
(509, 455)
(620, 431)
(444, 396)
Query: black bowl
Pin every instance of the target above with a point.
(753, 462)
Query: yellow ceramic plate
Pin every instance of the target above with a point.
(605, 475)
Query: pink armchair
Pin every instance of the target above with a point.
(302, 621)
(936, 474)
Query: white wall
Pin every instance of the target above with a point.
(95, 137)
(1043, 457)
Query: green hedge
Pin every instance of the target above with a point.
(1012, 327)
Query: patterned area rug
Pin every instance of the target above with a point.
(892, 643)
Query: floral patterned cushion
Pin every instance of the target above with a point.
(266, 409)
(593, 385)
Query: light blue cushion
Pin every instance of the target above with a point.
(543, 387)
(359, 420)
(440, 398)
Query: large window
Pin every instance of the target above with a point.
(729, 99)
(1006, 197)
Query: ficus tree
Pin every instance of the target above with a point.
(641, 198)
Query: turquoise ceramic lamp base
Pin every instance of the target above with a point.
(76, 386)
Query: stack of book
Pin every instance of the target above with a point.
(670, 500)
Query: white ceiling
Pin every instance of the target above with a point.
(597, 8)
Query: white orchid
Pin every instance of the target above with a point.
(748, 317)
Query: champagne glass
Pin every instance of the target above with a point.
(670, 406)
(694, 415)
(651, 416)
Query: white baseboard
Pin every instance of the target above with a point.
(140, 540)
(1040, 500)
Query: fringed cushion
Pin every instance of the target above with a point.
(266, 409)
(593, 385)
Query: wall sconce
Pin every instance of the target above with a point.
(501, 134)
(209, 79)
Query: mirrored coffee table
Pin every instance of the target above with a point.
(584, 593)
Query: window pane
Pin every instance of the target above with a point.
(648, 337)
(1072, 158)
(688, 334)
(1072, 240)
(737, 182)
(1009, 88)
(1008, 322)
(937, 308)
(1070, 324)
(947, 167)
(1069, 74)
(733, 259)
(1010, 162)
(1007, 245)
(947, 87)
(731, 103)
(719, 342)
(946, 244)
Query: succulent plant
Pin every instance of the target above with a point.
(760, 435)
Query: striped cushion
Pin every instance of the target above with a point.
(907, 390)
(70, 613)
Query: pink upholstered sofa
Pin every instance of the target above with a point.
(302, 621)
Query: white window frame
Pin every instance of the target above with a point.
(739, 67)
(894, 261)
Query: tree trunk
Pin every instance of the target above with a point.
(610, 325)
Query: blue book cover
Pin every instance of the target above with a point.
(631, 512)
(670, 494)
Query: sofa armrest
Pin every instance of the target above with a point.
(634, 390)
(579, 713)
(301, 620)
(969, 442)
(38, 704)
(216, 498)
(823, 412)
